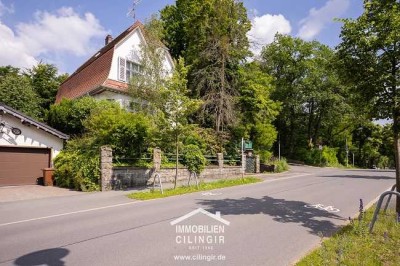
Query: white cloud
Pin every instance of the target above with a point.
(6, 9)
(317, 19)
(61, 33)
(264, 29)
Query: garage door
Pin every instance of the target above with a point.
(22, 166)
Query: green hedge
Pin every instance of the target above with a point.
(325, 157)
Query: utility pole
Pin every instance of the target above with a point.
(347, 154)
(279, 146)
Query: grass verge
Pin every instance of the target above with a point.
(190, 189)
(354, 245)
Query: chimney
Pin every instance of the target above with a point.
(108, 39)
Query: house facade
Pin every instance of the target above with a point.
(26, 147)
(107, 73)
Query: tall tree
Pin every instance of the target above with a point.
(211, 35)
(161, 94)
(257, 109)
(45, 81)
(17, 92)
(314, 106)
(370, 56)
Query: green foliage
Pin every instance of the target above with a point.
(45, 81)
(329, 156)
(211, 35)
(194, 159)
(204, 138)
(383, 162)
(325, 157)
(258, 111)
(352, 244)
(369, 56)
(281, 165)
(78, 166)
(68, 115)
(128, 134)
(17, 92)
(191, 189)
(315, 104)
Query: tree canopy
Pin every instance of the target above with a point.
(370, 59)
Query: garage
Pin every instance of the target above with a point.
(26, 147)
(22, 166)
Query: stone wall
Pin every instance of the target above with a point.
(133, 176)
(123, 177)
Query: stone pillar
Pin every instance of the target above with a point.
(105, 167)
(157, 159)
(257, 164)
(220, 158)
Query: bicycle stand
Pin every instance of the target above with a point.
(159, 183)
(379, 205)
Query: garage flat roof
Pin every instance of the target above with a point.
(26, 119)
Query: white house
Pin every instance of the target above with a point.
(107, 73)
(26, 147)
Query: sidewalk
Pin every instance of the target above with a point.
(31, 192)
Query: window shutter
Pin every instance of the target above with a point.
(121, 69)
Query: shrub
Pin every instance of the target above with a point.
(329, 157)
(325, 157)
(68, 115)
(281, 165)
(78, 169)
(194, 159)
(383, 162)
(78, 166)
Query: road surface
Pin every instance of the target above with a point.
(270, 223)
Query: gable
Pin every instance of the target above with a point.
(128, 49)
(107, 68)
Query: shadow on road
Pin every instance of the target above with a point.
(283, 211)
(376, 177)
(372, 170)
(50, 257)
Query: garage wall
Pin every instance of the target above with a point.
(30, 137)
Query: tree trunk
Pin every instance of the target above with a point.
(396, 131)
(291, 133)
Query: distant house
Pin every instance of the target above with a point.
(107, 73)
(26, 147)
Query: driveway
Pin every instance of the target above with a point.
(16, 193)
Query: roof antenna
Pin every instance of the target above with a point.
(131, 12)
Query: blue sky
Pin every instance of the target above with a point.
(67, 32)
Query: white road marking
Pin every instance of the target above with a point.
(287, 177)
(322, 207)
(69, 213)
(118, 205)
(210, 194)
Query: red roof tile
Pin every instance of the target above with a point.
(94, 72)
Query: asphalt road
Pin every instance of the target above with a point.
(266, 223)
